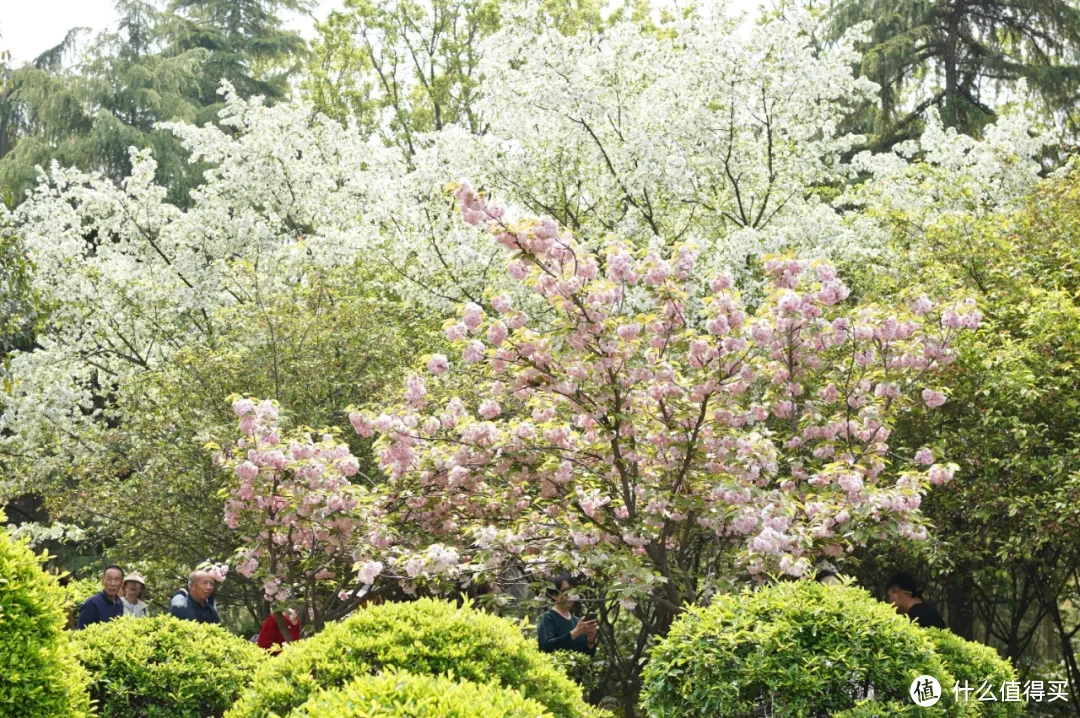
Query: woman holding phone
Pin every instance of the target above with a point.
(558, 629)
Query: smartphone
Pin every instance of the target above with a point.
(589, 617)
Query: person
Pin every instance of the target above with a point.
(270, 636)
(558, 629)
(903, 592)
(827, 577)
(193, 603)
(104, 605)
(133, 590)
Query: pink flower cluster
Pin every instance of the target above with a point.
(634, 427)
(292, 501)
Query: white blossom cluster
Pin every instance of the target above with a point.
(954, 175)
(705, 134)
(37, 533)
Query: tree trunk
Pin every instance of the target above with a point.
(1068, 655)
(1051, 641)
(629, 699)
(951, 104)
(883, 121)
(279, 619)
(958, 599)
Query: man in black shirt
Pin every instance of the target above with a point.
(903, 592)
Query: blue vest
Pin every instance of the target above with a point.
(186, 608)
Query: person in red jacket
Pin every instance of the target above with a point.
(270, 636)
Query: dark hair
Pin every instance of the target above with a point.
(824, 574)
(110, 567)
(557, 581)
(904, 582)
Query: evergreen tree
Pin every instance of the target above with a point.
(157, 66)
(246, 43)
(41, 119)
(90, 114)
(961, 56)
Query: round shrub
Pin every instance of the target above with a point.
(425, 637)
(791, 649)
(163, 667)
(39, 676)
(405, 695)
(975, 663)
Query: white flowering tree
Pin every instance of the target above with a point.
(946, 177)
(692, 130)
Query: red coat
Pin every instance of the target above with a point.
(270, 636)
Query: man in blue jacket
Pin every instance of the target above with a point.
(193, 603)
(105, 605)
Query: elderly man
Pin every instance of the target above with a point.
(105, 605)
(193, 603)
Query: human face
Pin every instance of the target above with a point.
(133, 591)
(900, 599)
(563, 599)
(202, 587)
(111, 582)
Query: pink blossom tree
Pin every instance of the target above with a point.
(651, 432)
(298, 512)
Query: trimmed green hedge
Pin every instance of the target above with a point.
(975, 663)
(876, 709)
(163, 667)
(425, 637)
(405, 695)
(792, 649)
(39, 676)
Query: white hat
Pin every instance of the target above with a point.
(136, 577)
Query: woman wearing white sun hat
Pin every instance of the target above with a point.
(132, 593)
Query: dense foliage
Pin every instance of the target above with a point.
(425, 637)
(316, 345)
(78, 590)
(879, 709)
(162, 667)
(798, 648)
(1003, 552)
(41, 677)
(736, 334)
(974, 665)
(392, 694)
(585, 670)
